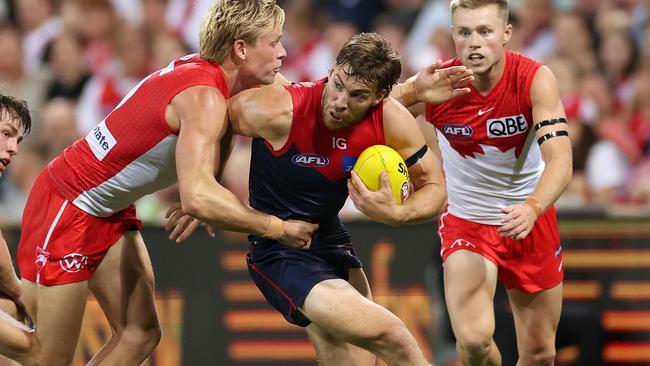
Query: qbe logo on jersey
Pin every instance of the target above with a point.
(507, 126)
(101, 140)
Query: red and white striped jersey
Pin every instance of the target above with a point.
(487, 144)
(131, 153)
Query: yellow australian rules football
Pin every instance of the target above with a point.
(378, 158)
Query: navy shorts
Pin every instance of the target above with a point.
(286, 275)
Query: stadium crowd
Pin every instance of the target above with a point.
(74, 60)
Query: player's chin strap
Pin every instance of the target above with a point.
(550, 135)
(416, 157)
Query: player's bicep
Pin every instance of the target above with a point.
(259, 112)
(203, 122)
(549, 118)
(401, 131)
(403, 134)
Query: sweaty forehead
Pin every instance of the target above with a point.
(343, 75)
(483, 16)
(8, 121)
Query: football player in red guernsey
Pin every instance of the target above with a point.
(507, 158)
(80, 232)
(17, 341)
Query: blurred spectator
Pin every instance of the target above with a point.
(359, 12)
(307, 54)
(104, 91)
(166, 47)
(97, 30)
(39, 26)
(423, 42)
(184, 18)
(618, 57)
(69, 73)
(574, 41)
(581, 134)
(394, 30)
(532, 19)
(15, 80)
(59, 127)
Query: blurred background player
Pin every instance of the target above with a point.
(17, 340)
(80, 232)
(507, 159)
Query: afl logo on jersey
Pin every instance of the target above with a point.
(457, 131)
(507, 126)
(310, 160)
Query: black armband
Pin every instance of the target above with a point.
(548, 122)
(550, 135)
(417, 156)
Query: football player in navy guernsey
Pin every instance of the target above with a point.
(306, 138)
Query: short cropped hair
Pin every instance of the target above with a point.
(12, 108)
(230, 20)
(502, 5)
(369, 57)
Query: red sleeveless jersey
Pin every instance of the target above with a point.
(131, 153)
(486, 141)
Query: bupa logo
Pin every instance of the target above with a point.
(100, 140)
(507, 126)
(456, 130)
(310, 160)
(73, 262)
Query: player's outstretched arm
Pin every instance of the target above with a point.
(202, 112)
(429, 197)
(433, 85)
(552, 136)
(17, 340)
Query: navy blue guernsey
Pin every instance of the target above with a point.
(306, 178)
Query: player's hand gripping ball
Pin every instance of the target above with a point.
(378, 158)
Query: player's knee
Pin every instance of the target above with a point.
(146, 338)
(475, 343)
(397, 339)
(543, 356)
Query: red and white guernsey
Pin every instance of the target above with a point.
(487, 144)
(131, 153)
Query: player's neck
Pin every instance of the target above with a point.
(485, 82)
(231, 72)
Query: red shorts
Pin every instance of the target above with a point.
(60, 243)
(530, 265)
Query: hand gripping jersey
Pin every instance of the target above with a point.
(487, 143)
(306, 178)
(131, 153)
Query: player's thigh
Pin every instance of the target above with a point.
(469, 282)
(340, 310)
(124, 283)
(60, 310)
(536, 317)
(357, 278)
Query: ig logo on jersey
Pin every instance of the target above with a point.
(507, 126)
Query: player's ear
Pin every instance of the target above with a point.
(380, 96)
(240, 49)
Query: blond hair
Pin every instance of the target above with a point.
(230, 20)
(502, 5)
